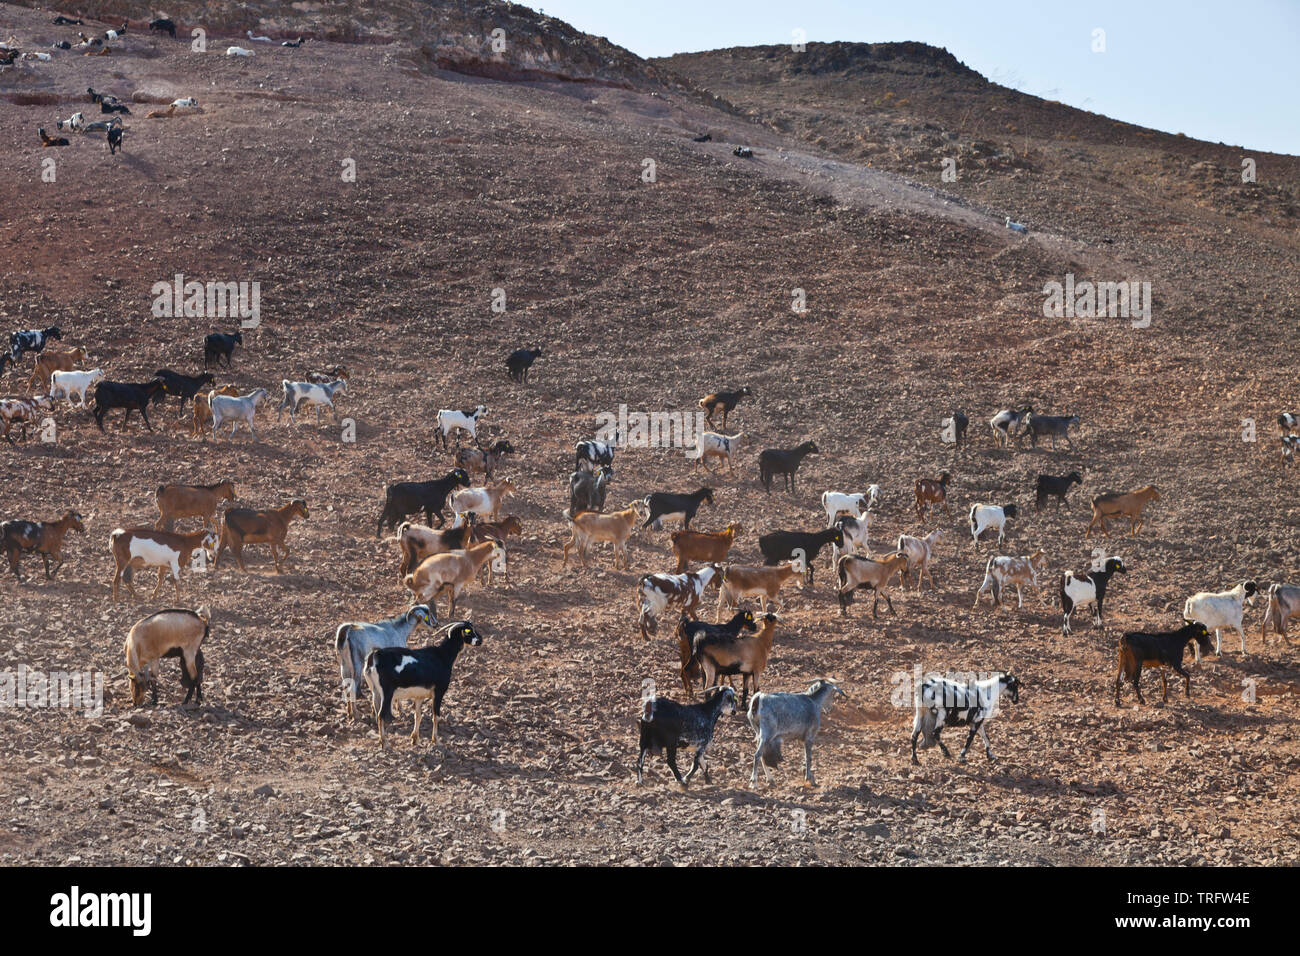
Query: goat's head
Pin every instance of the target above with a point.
(1074, 478)
(226, 489)
(1201, 635)
(1114, 566)
(829, 687)
(464, 630)
(459, 476)
(1009, 510)
(73, 520)
(1010, 687)
(298, 507)
(423, 614)
(1251, 590)
(140, 684)
(727, 695)
(208, 544)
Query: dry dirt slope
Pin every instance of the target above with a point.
(649, 295)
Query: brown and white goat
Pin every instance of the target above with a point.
(42, 537)
(191, 501)
(1004, 572)
(920, 552)
(172, 633)
(151, 548)
(484, 460)
(760, 582)
(270, 526)
(417, 542)
(931, 492)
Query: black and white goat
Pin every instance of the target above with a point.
(31, 340)
(665, 725)
(399, 673)
(942, 703)
(1088, 588)
(589, 455)
(354, 641)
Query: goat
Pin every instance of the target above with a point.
(42, 537)
(243, 526)
(959, 423)
(48, 141)
(1138, 649)
(1056, 486)
(176, 632)
(589, 455)
(239, 51)
(715, 655)
(590, 527)
(690, 631)
(930, 492)
(919, 553)
(184, 386)
(354, 641)
(331, 374)
(408, 497)
(62, 21)
(452, 572)
(856, 535)
(774, 717)
(130, 396)
(416, 542)
(989, 518)
(519, 362)
(450, 420)
(1053, 425)
(485, 500)
(1078, 590)
(114, 139)
(588, 489)
(1218, 611)
(708, 547)
(856, 571)
(712, 445)
(219, 345)
(484, 460)
(163, 25)
(203, 410)
(835, 504)
(162, 114)
(297, 394)
(665, 506)
(665, 725)
(656, 593)
(1288, 423)
(724, 402)
(150, 548)
(1114, 504)
(236, 409)
(947, 703)
(50, 361)
(67, 385)
(1007, 424)
(22, 412)
(398, 673)
(1002, 572)
(763, 583)
(185, 103)
(779, 546)
(784, 462)
(32, 340)
(73, 124)
(191, 501)
(1283, 603)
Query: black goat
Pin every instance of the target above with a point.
(784, 462)
(1057, 486)
(62, 21)
(186, 386)
(114, 144)
(691, 635)
(1090, 588)
(132, 397)
(163, 25)
(778, 546)
(408, 497)
(664, 505)
(666, 725)
(587, 489)
(724, 401)
(520, 361)
(220, 344)
(959, 424)
(402, 673)
(1138, 649)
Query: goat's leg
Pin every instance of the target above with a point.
(807, 762)
(915, 734)
(1137, 683)
(1243, 638)
(938, 729)
(670, 754)
(1119, 680)
(415, 725)
(1218, 642)
(975, 726)
(1164, 684)
(988, 747)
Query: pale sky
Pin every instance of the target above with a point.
(1222, 72)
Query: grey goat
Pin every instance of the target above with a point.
(1053, 425)
(777, 716)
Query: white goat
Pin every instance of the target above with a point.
(1220, 610)
(836, 504)
(66, 384)
(235, 409)
(449, 419)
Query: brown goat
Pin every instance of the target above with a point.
(203, 410)
(932, 491)
(452, 572)
(743, 654)
(43, 537)
(270, 526)
(498, 531)
(708, 547)
(192, 501)
(1115, 505)
(763, 583)
(417, 542)
(50, 361)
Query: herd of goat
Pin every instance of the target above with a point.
(465, 535)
